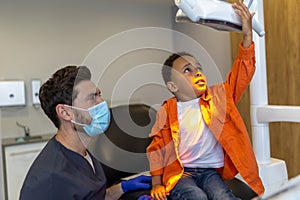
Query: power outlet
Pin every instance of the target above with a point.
(35, 88)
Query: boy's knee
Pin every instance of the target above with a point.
(188, 193)
(223, 194)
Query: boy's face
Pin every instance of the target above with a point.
(188, 82)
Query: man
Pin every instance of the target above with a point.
(65, 169)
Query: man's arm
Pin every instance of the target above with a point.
(116, 191)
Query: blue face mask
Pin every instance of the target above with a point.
(100, 115)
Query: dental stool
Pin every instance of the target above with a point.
(122, 148)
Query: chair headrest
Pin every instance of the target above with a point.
(123, 145)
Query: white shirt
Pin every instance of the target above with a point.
(198, 147)
(89, 159)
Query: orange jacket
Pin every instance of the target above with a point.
(218, 107)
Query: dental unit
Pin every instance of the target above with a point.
(220, 15)
(213, 13)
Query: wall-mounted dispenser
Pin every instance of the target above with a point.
(35, 88)
(12, 93)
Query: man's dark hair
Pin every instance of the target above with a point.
(168, 64)
(59, 89)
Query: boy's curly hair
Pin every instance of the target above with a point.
(168, 65)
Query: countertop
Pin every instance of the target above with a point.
(21, 140)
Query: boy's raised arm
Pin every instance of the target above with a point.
(241, 10)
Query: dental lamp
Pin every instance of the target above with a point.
(215, 14)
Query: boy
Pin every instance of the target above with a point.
(199, 138)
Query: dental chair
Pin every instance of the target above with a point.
(121, 149)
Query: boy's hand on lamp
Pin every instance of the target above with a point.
(140, 182)
(246, 17)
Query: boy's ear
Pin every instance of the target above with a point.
(172, 86)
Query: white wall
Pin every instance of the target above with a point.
(39, 36)
(1, 167)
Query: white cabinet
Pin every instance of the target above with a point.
(17, 160)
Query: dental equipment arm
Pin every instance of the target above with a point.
(273, 113)
(215, 14)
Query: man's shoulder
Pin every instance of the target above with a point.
(47, 159)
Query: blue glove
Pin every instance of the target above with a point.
(140, 182)
(145, 197)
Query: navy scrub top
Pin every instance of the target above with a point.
(61, 174)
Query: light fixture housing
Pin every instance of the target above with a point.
(216, 14)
